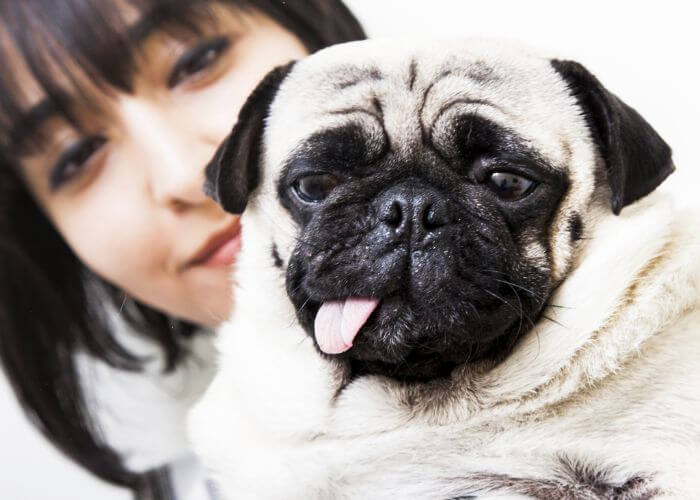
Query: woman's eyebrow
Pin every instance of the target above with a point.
(29, 124)
(152, 20)
(138, 32)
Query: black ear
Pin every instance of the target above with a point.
(234, 172)
(636, 158)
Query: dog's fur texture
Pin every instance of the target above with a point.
(589, 389)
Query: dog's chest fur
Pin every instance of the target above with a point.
(613, 416)
(599, 399)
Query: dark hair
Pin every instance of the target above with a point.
(49, 308)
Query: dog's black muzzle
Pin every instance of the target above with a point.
(438, 267)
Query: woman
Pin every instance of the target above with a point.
(109, 111)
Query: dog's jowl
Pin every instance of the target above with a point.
(457, 280)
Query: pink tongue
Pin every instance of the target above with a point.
(338, 322)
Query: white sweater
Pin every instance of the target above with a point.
(142, 414)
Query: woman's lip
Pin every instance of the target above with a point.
(219, 250)
(225, 254)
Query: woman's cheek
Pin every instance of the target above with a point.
(110, 227)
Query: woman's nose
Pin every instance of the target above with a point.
(173, 155)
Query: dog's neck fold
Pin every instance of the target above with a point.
(615, 302)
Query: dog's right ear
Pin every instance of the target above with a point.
(234, 172)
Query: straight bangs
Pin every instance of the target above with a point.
(66, 46)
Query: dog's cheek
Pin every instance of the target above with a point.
(273, 232)
(534, 250)
(567, 240)
(277, 259)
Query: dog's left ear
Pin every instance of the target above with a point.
(636, 158)
(234, 172)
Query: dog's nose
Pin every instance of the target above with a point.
(412, 208)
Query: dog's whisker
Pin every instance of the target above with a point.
(526, 290)
(301, 308)
(539, 345)
(520, 305)
(531, 293)
(553, 321)
(509, 305)
(500, 298)
(476, 311)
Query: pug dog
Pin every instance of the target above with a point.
(458, 280)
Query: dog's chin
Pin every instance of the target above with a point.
(419, 343)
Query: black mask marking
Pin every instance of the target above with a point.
(424, 234)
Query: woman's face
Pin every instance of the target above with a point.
(126, 193)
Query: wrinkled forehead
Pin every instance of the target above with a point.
(414, 92)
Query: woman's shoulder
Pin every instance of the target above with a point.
(142, 414)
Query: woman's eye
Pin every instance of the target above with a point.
(197, 59)
(509, 186)
(315, 188)
(74, 160)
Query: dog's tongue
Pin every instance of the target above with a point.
(338, 322)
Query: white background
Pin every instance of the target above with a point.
(645, 52)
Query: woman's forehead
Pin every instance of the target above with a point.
(75, 53)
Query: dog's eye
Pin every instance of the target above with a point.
(315, 188)
(509, 186)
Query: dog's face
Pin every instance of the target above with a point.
(438, 193)
(449, 235)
